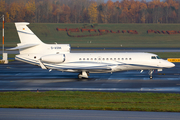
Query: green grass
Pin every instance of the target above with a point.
(91, 100)
(48, 34)
(168, 54)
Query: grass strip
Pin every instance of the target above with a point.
(168, 54)
(47, 33)
(164, 102)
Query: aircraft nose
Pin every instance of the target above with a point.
(170, 65)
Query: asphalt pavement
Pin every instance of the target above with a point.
(22, 76)
(55, 114)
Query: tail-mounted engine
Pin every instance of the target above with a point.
(54, 58)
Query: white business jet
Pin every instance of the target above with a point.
(58, 57)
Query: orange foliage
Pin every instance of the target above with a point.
(123, 31)
(171, 32)
(164, 32)
(78, 11)
(151, 31)
(132, 31)
(61, 29)
(73, 29)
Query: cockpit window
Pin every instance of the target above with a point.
(153, 57)
(158, 57)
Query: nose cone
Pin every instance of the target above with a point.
(170, 65)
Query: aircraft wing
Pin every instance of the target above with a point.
(93, 69)
(89, 69)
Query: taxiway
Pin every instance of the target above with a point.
(17, 76)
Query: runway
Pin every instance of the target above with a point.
(56, 114)
(21, 76)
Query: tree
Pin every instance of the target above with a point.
(30, 11)
(92, 11)
(2, 6)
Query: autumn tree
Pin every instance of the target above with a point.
(2, 6)
(92, 11)
(30, 10)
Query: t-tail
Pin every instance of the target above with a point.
(31, 44)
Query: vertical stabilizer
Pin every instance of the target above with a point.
(26, 36)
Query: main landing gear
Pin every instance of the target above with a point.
(83, 74)
(150, 73)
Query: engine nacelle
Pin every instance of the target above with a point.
(55, 58)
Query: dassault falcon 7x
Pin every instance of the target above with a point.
(58, 57)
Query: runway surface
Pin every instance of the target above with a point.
(21, 76)
(54, 114)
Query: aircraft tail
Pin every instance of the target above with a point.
(27, 37)
(30, 43)
(25, 34)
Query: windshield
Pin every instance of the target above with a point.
(155, 57)
(158, 57)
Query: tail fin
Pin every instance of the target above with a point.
(26, 36)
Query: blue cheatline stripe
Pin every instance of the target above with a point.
(25, 32)
(24, 60)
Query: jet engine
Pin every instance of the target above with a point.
(55, 58)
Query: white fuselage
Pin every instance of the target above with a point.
(97, 62)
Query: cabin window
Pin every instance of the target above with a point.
(87, 58)
(94, 58)
(99, 58)
(106, 58)
(103, 58)
(130, 59)
(126, 58)
(114, 58)
(110, 58)
(79, 58)
(91, 58)
(118, 58)
(153, 57)
(83, 58)
(122, 58)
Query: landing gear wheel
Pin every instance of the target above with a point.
(79, 76)
(150, 73)
(83, 74)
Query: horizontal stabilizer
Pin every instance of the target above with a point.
(23, 46)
